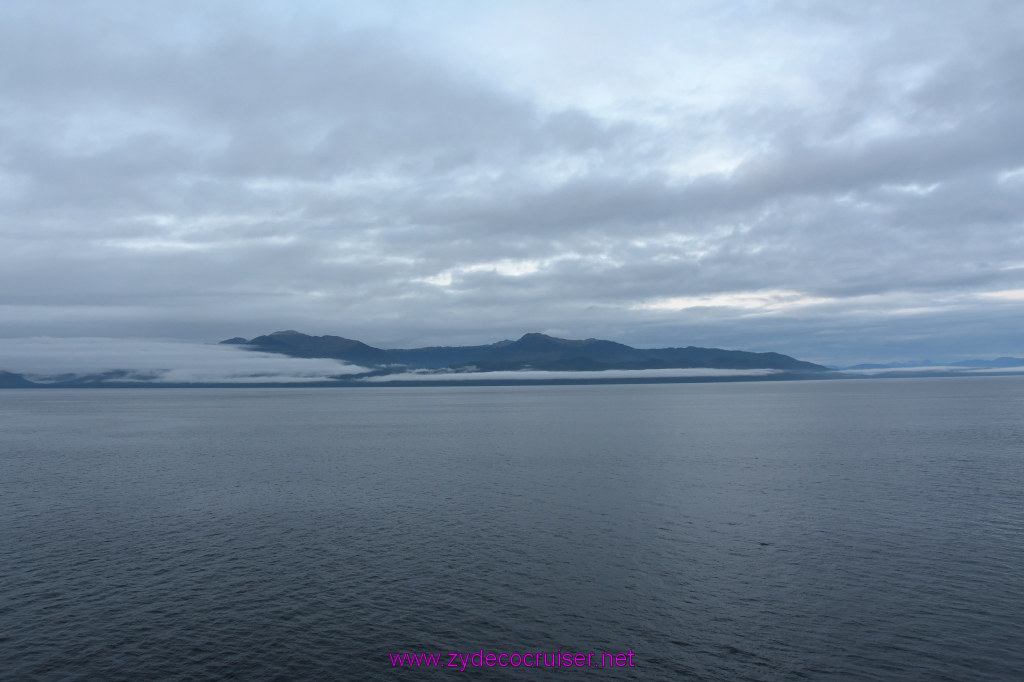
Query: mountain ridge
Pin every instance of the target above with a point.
(1004, 362)
(533, 350)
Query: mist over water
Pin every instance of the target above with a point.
(869, 529)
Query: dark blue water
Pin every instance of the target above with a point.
(863, 530)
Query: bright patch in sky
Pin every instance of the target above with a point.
(1006, 295)
(765, 301)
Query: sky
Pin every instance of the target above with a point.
(841, 182)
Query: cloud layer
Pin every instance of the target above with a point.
(46, 359)
(839, 182)
(544, 375)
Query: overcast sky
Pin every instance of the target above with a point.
(841, 182)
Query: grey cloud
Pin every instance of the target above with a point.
(255, 108)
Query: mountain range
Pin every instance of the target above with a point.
(998, 363)
(531, 351)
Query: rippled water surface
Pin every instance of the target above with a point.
(869, 529)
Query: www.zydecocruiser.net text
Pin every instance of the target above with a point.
(529, 659)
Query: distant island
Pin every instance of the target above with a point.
(533, 358)
(532, 351)
(292, 358)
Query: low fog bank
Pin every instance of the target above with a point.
(45, 359)
(541, 375)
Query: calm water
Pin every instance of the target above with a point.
(758, 531)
